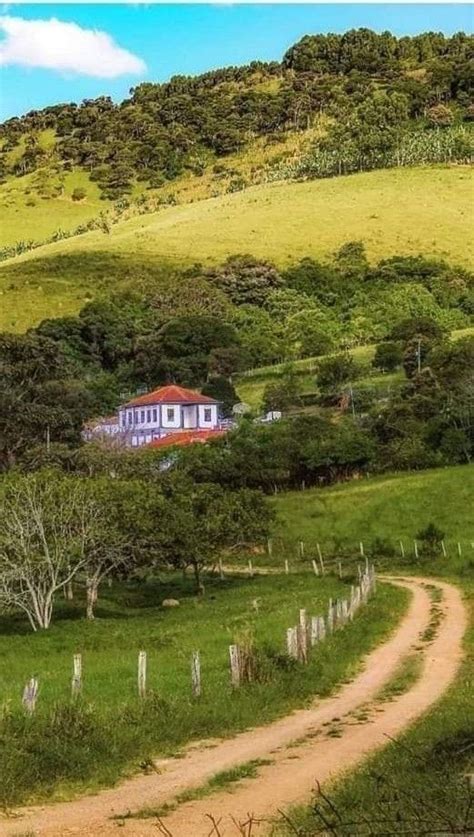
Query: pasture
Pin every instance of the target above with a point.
(68, 746)
(388, 507)
(282, 222)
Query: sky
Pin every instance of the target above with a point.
(69, 52)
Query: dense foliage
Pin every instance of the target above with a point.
(201, 328)
(371, 90)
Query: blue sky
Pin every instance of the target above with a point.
(44, 63)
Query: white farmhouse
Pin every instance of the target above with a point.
(167, 410)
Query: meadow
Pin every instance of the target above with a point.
(388, 507)
(68, 746)
(282, 222)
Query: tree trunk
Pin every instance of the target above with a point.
(197, 578)
(92, 588)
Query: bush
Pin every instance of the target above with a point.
(79, 194)
(388, 356)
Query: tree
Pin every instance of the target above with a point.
(245, 280)
(412, 327)
(40, 400)
(335, 371)
(46, 525)
(281, 394)
(222, 390)
(201, 521)
(183, 350)
(388, 356)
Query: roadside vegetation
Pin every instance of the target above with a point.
(418, 784)
(68, 746)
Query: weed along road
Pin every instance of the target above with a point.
(293, 754)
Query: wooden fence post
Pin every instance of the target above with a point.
(270, 548)
(459, 549)
(330, 619)
(315, 567)
(301, 549)
(221, 570)
(250, 569)
(314, 630)
(196, 673)
(292, 643)
(320, 556)
(287, 567)
(321, 629)
(234, 655)
(443, 547)
(30, 693)
(361, 548)
(76, 684)
(415, 545)
(142, 673)
(339, 566)
(402, 549)
(303, 638)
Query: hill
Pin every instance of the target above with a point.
(388, 507)
(424, 210)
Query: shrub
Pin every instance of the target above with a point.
(79, 194)
(388, 356)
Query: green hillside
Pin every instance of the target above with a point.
(392, 506)
(424, 210)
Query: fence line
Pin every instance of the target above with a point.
(300, 640)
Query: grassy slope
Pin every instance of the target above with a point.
(420, 210)
(22, 221)
(78, 750)
(250, 385)
(390, 506)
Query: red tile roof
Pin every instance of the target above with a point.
(186, 437)
(171, 395)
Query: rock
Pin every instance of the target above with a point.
(170, 603)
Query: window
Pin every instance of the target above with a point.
(148, 415)
(143, 417)
(170, 413)
(130, 417)
(207, 414)
(155, 416)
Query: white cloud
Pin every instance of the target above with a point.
(66, 47)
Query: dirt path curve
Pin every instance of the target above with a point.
(298, 745)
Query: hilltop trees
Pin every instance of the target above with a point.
(370, 85)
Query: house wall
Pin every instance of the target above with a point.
(166, 417)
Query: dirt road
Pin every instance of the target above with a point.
(301, 747)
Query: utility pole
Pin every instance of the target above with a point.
(48, 439)
(418, 355)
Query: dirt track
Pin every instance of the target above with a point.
(298, 745)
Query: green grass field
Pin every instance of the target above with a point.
(26, 214)
(67, 747)
(392, 507)
(420, 210)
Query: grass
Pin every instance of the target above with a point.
(224, 780)
(421, 210)
(251, 385)
(417, 785)
(28, 213)
(69, 747)
(389, 507)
